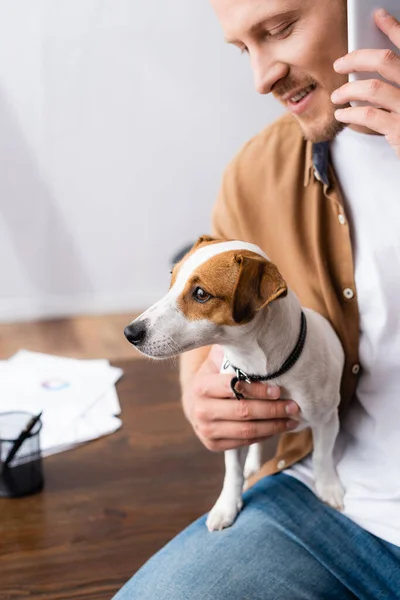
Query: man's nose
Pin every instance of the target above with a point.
(267, 73)
(135, 333)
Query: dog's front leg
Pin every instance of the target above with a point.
(327, 483)
(230, 501)
(253, 461)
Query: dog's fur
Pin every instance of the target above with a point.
(256, 318)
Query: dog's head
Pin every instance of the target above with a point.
(217, 287)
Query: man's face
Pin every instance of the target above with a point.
(292, 45)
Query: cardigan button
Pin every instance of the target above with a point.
(348, 293)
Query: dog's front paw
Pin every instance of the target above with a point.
(223, 513)
(331, 492)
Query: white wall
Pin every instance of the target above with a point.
(117, 118)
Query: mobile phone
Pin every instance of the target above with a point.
(363, 33)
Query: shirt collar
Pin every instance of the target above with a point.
(317, 162)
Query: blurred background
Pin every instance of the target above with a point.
(117, 119)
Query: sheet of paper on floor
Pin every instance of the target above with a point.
(78, 397)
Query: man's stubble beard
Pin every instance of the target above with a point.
(326, 133)
(311, 126)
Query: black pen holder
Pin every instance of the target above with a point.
(23, 475)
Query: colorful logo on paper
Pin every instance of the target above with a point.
(55, 385)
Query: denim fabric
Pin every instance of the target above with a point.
(285, 545)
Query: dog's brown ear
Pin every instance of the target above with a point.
(259, 283)
(186, 250)
(202, 239)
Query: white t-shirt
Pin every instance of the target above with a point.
(367, 451)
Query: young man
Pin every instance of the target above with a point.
(322, 200)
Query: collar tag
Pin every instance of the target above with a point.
(242, 376)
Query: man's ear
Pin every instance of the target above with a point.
(259, 283)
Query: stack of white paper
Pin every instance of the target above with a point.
(77, 397)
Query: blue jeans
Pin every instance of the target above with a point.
(285, 545)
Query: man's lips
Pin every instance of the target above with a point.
(286, 97)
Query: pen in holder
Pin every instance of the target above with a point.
(20, 456)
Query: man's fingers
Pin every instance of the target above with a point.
(244, 433)
(247, 410)
(258, 390)
(217, 385)
(375, 91)
(373, 118)
(384, 62)
(389, 25)
(251, 430)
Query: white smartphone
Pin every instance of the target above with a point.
(363, 33)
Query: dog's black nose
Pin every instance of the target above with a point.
(135, 333)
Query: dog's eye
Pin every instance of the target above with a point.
(200, 295)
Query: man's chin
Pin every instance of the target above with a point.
(320, 132)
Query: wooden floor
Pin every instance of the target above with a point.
(79, 337)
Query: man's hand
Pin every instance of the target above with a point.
(220, 421)
(375, 91)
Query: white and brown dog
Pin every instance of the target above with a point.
(229, 293)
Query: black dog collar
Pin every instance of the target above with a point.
(288, 364)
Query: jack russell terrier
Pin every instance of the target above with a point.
(229, 293)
